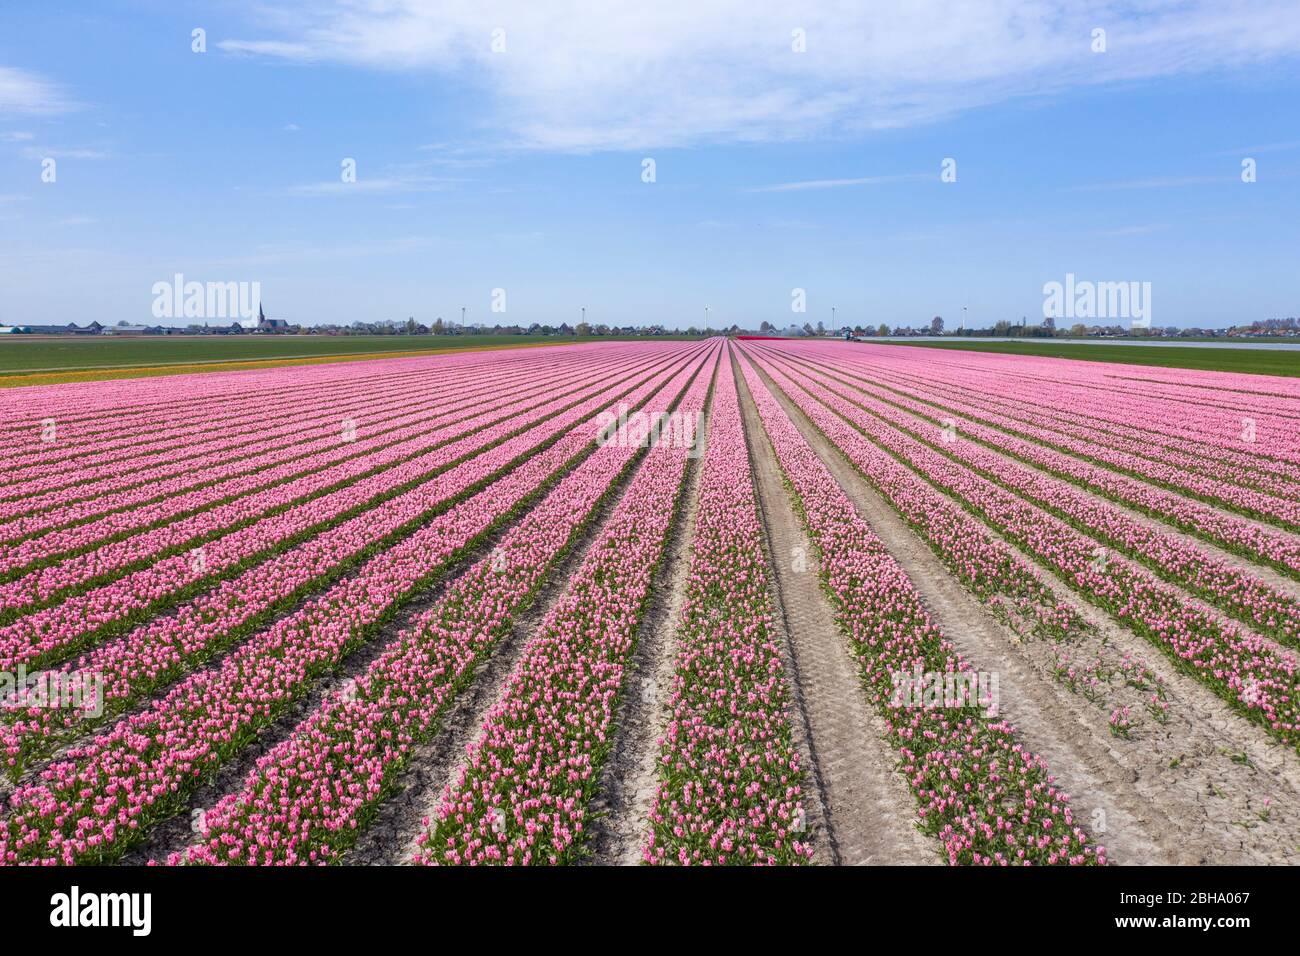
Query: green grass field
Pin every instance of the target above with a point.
(1257, 361)
(21, 353)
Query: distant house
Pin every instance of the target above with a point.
(15, 329)
(264, 325)
(794, 332)
(131, 330)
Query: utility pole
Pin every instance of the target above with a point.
(584, 315)
(833, 326)
(462, 317)
(963, 318)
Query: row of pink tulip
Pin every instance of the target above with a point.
(994, 572)
(1198, 436)
(99, 551)
(207, 482)
(111, 415)
(1230, 492)
(1237, 592)
(979, 791)
(138, 401)
(158, 651)
(188, 402)
(1262, 543)
(332, 526)
(171, 430)
(1196, 409)
(73, 528)
(1160, 430)
(1202, 408)
(1250, 673)
(107, 794)
(90, 413)
(730, 784)
(309, 798)
(1259, 543)
(147, 472)
(524, 793)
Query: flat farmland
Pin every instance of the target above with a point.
(691, 602)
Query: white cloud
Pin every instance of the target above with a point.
(840, 183)
(17, 136)
(1159, 182)
(455, 157)
(25, 92)
(578, 76)
(45, 152)
(1267, 148)
(292, 127)
(368, 187)
(288, 51)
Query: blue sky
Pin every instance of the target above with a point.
(521, 169)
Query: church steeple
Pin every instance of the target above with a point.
(261, 316)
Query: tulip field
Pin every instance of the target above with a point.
(738, 601)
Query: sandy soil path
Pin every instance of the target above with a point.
(867, 809)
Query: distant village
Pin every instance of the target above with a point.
(264, 326)
(1268, 329)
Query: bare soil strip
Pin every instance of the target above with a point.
(868, 811)
(1189, 791)
(816, 817)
